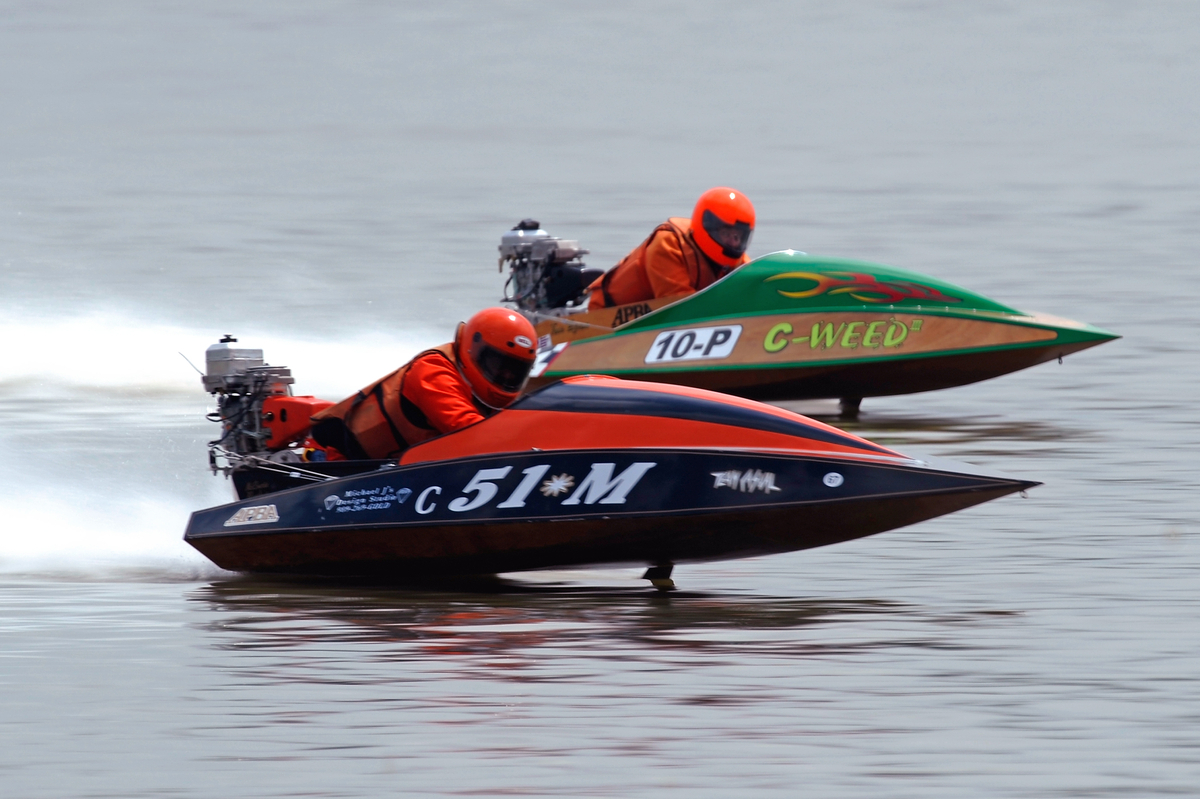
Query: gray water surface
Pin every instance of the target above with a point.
(330, 180)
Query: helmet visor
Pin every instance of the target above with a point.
(500, 369)
(733, 239)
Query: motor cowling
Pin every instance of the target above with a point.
(546, 273)
(256, 409)
(287, 419)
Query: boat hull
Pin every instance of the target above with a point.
(516, 512)
(860, 378)
(791, 327)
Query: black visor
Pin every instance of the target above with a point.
(733, 239)
(499, 369)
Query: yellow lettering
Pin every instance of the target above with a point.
(871, 337)
(826, 334)
(772, 343)
(850, 338)
(896, 333)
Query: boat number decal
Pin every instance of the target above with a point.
(861, 286)
(360, 499)
(599, 486)
(545, 357)
(258, 514)
(747, 482)
(874, 334)
(833, 479)
(517, 498)
(559, 484)
(694, 344)
(481, 487)
(422, 508)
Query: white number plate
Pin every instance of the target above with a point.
(694, 344)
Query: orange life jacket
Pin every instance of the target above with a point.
(628, 282)
(366, 425)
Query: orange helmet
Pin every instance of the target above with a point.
(722, 224)
(496, 349)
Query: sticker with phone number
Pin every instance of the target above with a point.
(695, 344)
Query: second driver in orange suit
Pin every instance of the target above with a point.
(439, 391)
(682, 256)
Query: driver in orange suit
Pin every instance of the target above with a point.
(440, 390)
(682, 256)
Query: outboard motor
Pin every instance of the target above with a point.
(255, 407)
(547, 273)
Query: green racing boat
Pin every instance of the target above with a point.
(786, 326)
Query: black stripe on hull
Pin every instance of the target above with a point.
(621, 399)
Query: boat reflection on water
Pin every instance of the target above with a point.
(518, 619)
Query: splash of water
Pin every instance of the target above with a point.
(111, 350)
(103, 425)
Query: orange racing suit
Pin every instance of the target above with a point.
(666, 263)
(423, 399)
